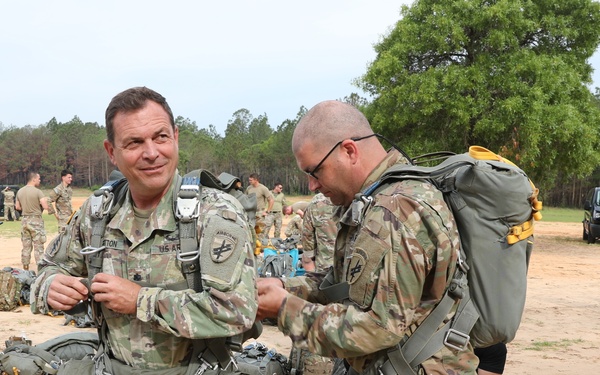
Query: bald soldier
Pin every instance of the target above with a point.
(397, 255)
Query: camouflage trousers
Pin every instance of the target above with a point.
(62, 222)
(263, 227)
(33, 237)
(274, 220)
(9, 212)
(309, 363)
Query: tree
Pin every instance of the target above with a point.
(505, 74)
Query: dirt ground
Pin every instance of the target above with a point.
(559, 334)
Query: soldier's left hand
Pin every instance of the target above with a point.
(116, 293)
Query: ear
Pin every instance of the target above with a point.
(110, 150)
(351, 150)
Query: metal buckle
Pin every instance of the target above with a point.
(101, 202)
(187, 203)
(456, 336)
(88, 250)
(204, 365)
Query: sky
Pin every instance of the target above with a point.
(66, 58)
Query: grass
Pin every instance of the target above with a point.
(545, 345)
(562, 215)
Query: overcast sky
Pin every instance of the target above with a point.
(69, 58)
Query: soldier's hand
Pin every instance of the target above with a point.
(270, 297)
(65, 292)
(116, 293)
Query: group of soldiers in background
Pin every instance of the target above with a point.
(31, 202)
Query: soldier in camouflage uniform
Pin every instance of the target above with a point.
(61, 197)
(153, 320)
(294, 226)
(397, 253)
(276, 212)
(319, 229)
(9, 204)
(32, 203)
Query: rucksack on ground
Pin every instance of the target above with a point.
(277, 265)
(10, 290)
(257, 359)
(280, 258)
(20, 357)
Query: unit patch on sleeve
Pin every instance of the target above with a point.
(222, 247)
(356, 266)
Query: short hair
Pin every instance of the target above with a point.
(130, 100)
(65, 172)
(31, 175)
(278, 184)
(254, 176)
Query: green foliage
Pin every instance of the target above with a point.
(507, 75)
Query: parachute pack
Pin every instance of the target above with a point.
(494, 204)
(14, 287)
(20, 357)
(281, 258)
(257, 359)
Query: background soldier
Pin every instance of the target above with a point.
(319, 229)
(9, 204)
(32, 202)
(264, 204)
(276, 211)
(294, 226)
(61, 196)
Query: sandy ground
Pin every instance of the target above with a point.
(559, 334)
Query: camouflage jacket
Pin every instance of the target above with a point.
(319, 229)
(159, 335)
(294, 226)
(398, 262)
(61, 196)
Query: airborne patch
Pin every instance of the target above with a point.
(356, 266)
(222, 246)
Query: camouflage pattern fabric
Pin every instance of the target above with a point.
(398, 260)
(61, 196)
(158, 336)
(277, 212)
(33, 238)
(9, 205)
(294, 226)
(319, 229)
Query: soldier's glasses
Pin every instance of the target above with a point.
(315, 169)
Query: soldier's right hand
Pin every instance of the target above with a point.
(65, 292)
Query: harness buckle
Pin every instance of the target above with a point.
(187, 203)
(204, 365)
(456, 340)
(101, 202)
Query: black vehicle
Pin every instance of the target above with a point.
(591, 215)
(13, 188)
